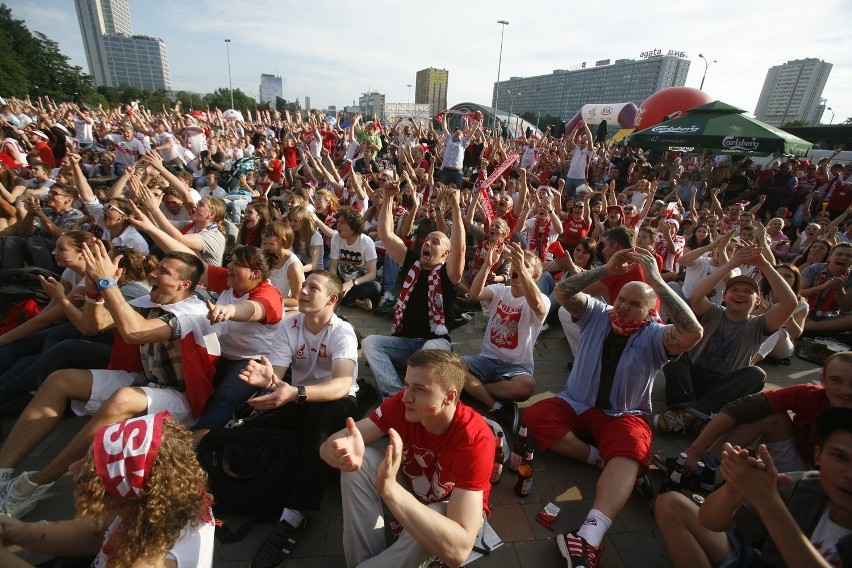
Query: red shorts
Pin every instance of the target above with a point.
(627, 435)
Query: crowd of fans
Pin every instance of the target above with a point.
(200, 257)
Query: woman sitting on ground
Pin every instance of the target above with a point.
(141, 499)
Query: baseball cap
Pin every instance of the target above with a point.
(745, 279)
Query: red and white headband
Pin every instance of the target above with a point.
(125, 452)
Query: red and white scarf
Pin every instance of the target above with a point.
(824, 303)
(625, 327)
(437, 320)
(539, 238)
(125, 452)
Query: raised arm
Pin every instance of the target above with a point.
(743, 255)
(455, 260)
(394, 246)
(685, 331)
(569, 291)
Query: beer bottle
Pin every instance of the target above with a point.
(519, 449)
(672, 482)
(525, 475)
(497, 468)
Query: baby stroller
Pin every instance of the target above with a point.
(229, 180)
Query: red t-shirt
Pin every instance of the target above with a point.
(276, 170)
(573, 230)
(264, 293)
(616, 282)
(290, 153)
(433, 465)
(806, 401)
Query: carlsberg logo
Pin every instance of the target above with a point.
(734, 143)
(663, 129)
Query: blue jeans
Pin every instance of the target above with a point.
(547, 285)
(386, 353)
(231, 392)
(390, 272)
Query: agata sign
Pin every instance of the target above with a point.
(659, 53)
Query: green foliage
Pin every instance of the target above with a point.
(33, 65)
(797, 123)
(544, 120)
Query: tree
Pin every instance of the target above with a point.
(543, 121)
(797, 123)
(33, 64)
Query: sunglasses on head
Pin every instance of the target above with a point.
(110, 206)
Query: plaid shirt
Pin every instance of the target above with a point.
(161, 361)
(64, 220)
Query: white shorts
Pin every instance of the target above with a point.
(105, 383)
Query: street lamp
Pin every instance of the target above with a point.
(230, 86)
(511, 110)
(706, 65)
(832, 114)
(503, 23)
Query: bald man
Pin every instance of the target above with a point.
(608, 395)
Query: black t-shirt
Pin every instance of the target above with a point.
(361, 166)
(613, 347)
(415, 320)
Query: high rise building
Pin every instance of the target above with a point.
(792, 91)
(307, 103)
(431, 89)
(116, 56)
(372, 105)
(271, 86)
(563, 92)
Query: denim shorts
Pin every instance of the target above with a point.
(490, 370)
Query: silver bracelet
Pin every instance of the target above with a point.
(46, 526)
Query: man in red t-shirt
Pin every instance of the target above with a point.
(445, 452)
(790, 441)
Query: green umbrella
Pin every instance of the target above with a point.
(720, 129)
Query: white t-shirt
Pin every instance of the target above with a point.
(306, 255)
(243, 339)
(72, 278)
(361, 251)
(579, 163)
(126, 151)
(278, 277)
(215, 192)
(193, 548)
(512, 328)
(83, 131)
(310, 356)
(825, 537)
(171, 153)
(129, 237)
(700, 270)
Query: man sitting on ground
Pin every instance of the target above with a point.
(716, 371)
(790, 441)
(162, 360)
(322, 352)
(503, 371)
(445, 451)
(828, 288)
(427, 298)
(608, 394)
(799, 520)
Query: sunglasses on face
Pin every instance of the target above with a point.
(111, 207)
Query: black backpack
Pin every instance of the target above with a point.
(249, 468)
(20, 284)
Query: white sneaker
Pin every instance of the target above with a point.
(13, 504)
(7, 474)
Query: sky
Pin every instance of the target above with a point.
(333, 51)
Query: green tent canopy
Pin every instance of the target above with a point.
(719, 128)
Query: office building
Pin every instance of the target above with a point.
(371, 105)
(116, 56)
(792, 91)
(564, 91)
(431, 89)
(271, 86)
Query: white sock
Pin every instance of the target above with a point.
(292, 517)
(595, 458)
(594, 528)
(497, 406)
(23, 486)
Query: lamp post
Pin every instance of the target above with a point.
(706, 65)
(230, 86)
(832, 114)
(511, 110)
(503, 23)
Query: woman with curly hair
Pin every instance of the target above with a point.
(141, 499)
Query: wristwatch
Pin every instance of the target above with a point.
(105, 283)
(303, 395)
